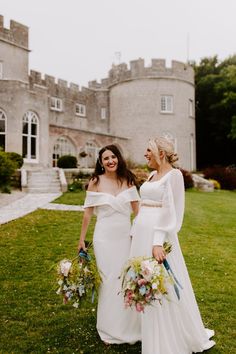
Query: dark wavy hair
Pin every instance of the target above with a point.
(123, 173)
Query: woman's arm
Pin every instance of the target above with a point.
(135, 207)
(88, 212)
(171, 214)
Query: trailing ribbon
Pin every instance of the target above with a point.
(85, 255)
(176, 282)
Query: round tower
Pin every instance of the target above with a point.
(151, 101)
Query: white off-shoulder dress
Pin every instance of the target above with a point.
(112, 242)
(175, 327)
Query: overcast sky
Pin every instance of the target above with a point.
(78, 40)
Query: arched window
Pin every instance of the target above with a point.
(63, 146)
(3, 123)
(91, 149)
(30, 133)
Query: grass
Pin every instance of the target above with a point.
(33, 320)
(71, 198)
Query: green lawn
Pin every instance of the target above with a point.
(33, 320)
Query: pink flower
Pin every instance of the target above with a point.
(142, 282)
(139, 307)
(130, 294)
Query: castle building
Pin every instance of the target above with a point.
(42, 118)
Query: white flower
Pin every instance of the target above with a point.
(147, 268)
(60, 282)
(58, 291)
(154, 286)
(76, 304)
(65, 266)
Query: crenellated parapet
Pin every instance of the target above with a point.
(17, 34)
(157, 69)
(56, 86)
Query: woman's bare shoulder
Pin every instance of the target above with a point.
(93, 185)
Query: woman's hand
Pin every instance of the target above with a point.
(158, 253)
(81, 245)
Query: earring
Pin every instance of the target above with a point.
(103, 169)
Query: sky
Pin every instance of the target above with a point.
(79, 40)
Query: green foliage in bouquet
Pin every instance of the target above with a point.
(78, 279)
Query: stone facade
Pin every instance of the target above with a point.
(43, 118)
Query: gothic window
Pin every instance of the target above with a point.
(166, 104)
(63, 146)
(3, 122)
(30, 134)
(56, 104)
(80, 110)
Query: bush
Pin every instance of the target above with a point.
(76, 185)
(141, 175)
(226, 176)
(17, 158)
(67, 161)
(7, 169)
(188, 180)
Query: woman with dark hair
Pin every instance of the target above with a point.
(112, 196)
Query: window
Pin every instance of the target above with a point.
(1, 70)
(80, 110)
(103, 113)
(3, 122)
(30, 129)
(191, 108)
(63, 146)
(56, 104)
(167, 104)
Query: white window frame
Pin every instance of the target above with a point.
(80, 109)
(103, 113)
(191, 108)
(30, 118)
(1, 70)
(167, 104)
(62, 146)
(3, 117)
(56, 104)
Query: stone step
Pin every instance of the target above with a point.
(46, 185)
(43, 190)
(45, 181)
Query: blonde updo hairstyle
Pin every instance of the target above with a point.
(163, 144)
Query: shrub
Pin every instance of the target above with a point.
(67, 161)
(76, 185)
(15, 157)
(226, 176)
(188, 180)
(141, 175)
(7, 169)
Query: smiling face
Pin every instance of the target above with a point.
(151, 160)
(109, 161)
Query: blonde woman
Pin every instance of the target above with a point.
(175, 327)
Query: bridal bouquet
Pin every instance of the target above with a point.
(77, 278)
(144, 280)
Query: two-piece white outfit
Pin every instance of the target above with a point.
(175, 327)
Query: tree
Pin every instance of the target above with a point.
(215, 111)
